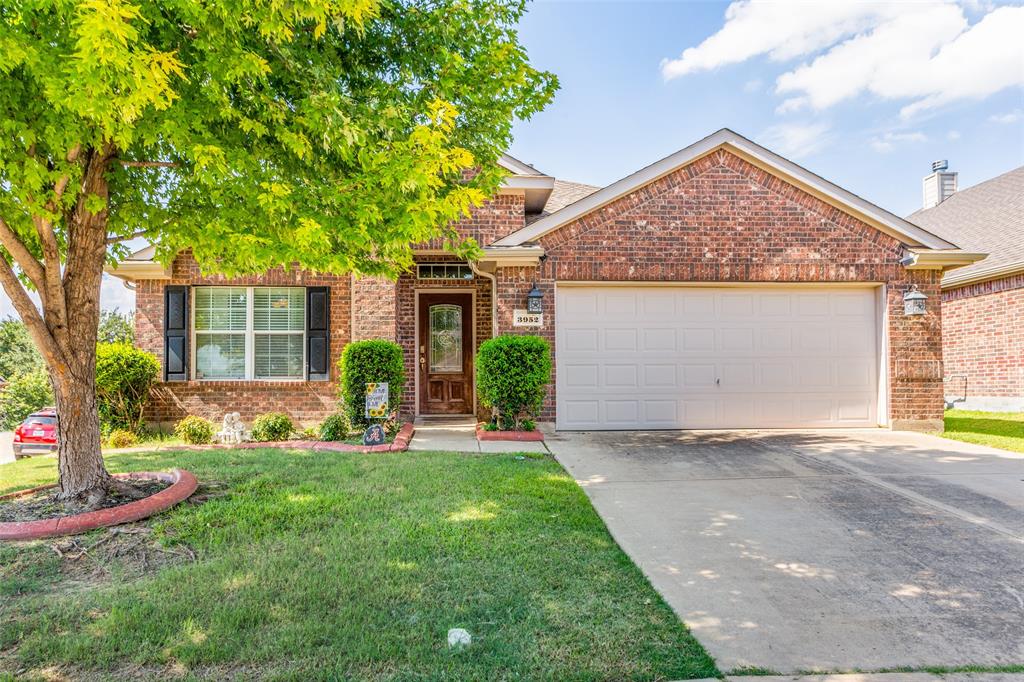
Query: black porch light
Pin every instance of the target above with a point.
(535, 300)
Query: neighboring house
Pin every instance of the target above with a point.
(722, 286)
(983, 303)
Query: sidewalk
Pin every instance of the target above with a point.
(458, 434)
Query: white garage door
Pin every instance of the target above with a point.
(697, 357)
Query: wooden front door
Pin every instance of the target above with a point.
(446, 353)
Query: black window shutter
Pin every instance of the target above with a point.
(176, 333)
(318, 352)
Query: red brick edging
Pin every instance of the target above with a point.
(400, 444)
(517, 436)
(183, 484)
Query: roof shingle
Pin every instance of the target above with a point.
(986, 218)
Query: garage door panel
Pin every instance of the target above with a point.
(715, 358)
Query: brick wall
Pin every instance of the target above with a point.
(373, 308)
(720, 219)
(501, 216)
(305, 402)
(983, 340)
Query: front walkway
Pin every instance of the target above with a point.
(458, 434)
(826, 550)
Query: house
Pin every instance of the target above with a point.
(983, 303)
(722, 286)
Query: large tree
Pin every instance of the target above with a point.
(330, 134)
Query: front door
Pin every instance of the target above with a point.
(446, 353)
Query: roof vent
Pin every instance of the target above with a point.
(940, 185)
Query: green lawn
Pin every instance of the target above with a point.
(996, 429)
(337, 565)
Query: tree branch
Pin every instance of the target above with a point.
(30, 314)
(22, 256)
(126, 237)
(149, 164)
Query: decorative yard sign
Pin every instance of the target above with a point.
(524, 318)
(374, 435)
(377, 400)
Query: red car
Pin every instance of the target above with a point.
(38, 433)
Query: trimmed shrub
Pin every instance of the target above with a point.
(272, 426)
(364, 362)
(194, 430)
(511, 373)
(124, 375)
(335, 427)
(23, 395)
(119, 438)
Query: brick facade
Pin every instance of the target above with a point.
(983, 343)
(305, 401)
(719, 219)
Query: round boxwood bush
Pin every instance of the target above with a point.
(120, 438)
(124, 375)
(511, 373)
(194, 430)
(365, 362)
(335, 427)
(272, 426)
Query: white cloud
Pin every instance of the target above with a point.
(926, 52)
(796, 140)
(753, 85)
(887, 142)
(953, 135)
(1009, 117)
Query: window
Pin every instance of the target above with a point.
(457, 271)
(445, 338)
(249, 333)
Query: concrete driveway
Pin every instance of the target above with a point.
(820, 550)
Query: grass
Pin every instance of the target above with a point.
(996, 429)
(331, 566)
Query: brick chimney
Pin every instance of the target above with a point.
(940, 185)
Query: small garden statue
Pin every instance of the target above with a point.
(232, 430)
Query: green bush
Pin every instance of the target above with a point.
(511, 373)
(119, 438)
(194, 430)
(124, 375)
(23, 395)
(364, 362)
(272, 426)
(335, 427)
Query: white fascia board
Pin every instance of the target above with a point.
(940, 259)
(878, 217)
(514, 165)
(958, 279)
(508, 256)
(130, 270)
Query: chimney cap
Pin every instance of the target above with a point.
(940, 165)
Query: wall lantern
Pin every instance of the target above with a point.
(914, 302)
(535, 300)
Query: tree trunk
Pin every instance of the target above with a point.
(82, 474)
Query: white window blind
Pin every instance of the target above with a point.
(250, 332)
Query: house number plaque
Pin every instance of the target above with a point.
(524, 318)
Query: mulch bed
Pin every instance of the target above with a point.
(41, 505)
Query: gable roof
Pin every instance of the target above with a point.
(877, 217)
(987, 217)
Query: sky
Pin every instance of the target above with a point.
(864, 94)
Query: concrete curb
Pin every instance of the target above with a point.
(183, 484)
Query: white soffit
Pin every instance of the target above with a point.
(877, 217)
